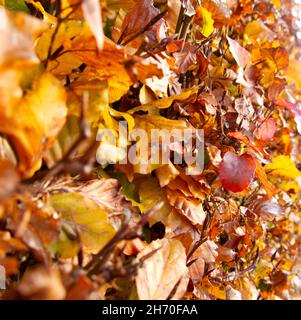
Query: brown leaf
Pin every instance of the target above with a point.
(40, 283)
(162, 271)
(9, 179)
(142, 14)
(192, 209)
(9, 244)
(81, 289)
(36, 228)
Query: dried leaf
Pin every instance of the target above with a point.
(162, 271)
(9, 179)
(42, 284)
(24, 29)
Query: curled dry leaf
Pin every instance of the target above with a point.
(267, 208)
(140, 16)
(36, 227)
(192, 209)
(162, 271)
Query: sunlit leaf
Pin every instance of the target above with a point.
(236, 172)
(86, 217)
(162, 271)
(207, 25)
(92, 13)
(282, 166)
(35, 121)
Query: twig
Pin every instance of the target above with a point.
(124, 233)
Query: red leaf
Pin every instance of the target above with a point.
(236, 172)
(266, 130)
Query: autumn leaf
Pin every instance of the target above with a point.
(92, 222)
(208, 23)
(88, 210)
(142, 14)
(9, 179)
(266, 129)
(243, 60)
(47, 17)
(151, 194)
(261, 175)
(82, 217)
(192, 209)
(24, 29)
(162, 271)
(42, 283)
(165, 102)
(35, 122)
(282, 166)
(236, 172)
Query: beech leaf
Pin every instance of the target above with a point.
(161, 272)
(236, 172)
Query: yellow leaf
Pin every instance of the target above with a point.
(129, 119)
(34, 123)
(282, 166)
(147, 123)
(103, 66)
(208, 22)
(166, 102)
(47, 17)
(87, 217)
(162, 271)
(67, 31)
(277, 4)
(150, 194)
